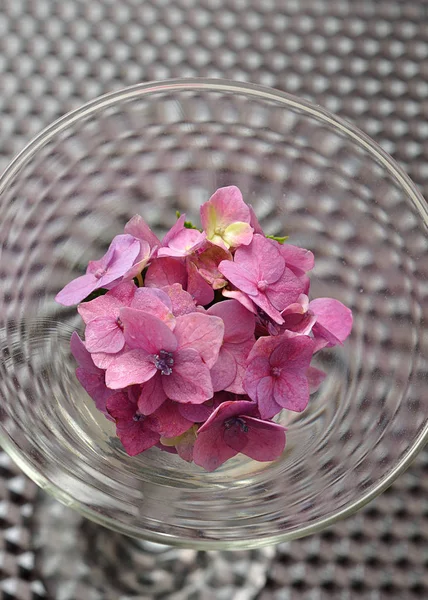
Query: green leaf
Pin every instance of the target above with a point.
(278, 238)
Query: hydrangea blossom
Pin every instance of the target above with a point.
(196, 342)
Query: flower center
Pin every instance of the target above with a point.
(164, 362)
(236, 422)
(99, 273)
(138, 417)
(262, 285)
(119, 323)
(219, 231)
(275, 371)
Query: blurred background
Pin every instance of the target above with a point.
(365, 60)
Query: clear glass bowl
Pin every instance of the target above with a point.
(156, 148)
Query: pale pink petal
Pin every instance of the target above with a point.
(284, 292)
(265, 440)
(315, 378)
(135, 366)
(166, 271)
(202, 332)
(182, 302)
(262, 258)
(197, 287)
(237, 234)
(239, 323)
(225, 206)
(184, 243)
(190, 379)
(152, 395)
(103, 360)
(109, 304)
(142, 330)
(334, 320)
(210, 450)
(223, 373)
(171, 420)
(138, 228)
(103, 334)
(297, 259)
(77, 290)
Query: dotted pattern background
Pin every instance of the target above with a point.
(366, 61)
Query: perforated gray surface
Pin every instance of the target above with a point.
(364, 60)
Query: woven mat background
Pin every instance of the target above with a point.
(366, 60)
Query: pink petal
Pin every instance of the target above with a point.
(265, 440)
(154, 302)
(190, 379)
(166, 271)
(109, 304)
(268, 407)
(202, 332)
(284, 292)
(297, 259)
(241, 298)
(292, 351)
(239, 323)
(138, 228)
(77, 290)
(174, 231)
(184, 243)
(240, 353)
(258, 368)
(171, 420)
(125, 250)
(334, 320)
(197, 287)
(228, 205)
(140, 261)
(227, 410)
(254, 222)
(207, 263)
(262, 258)
(315, 378)
(103, 360)
(242, 278)
(135, 366)
(103, 334)
(210, 450)
(223, 373)
(152, 395)
(182, 302)
(142, 330)
(291, 391)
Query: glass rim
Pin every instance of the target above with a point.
(263, 93)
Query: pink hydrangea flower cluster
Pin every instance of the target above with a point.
(196, 342)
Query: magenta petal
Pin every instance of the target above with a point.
(171, 420)
(202, 332)
(223, 373)
(197, 413)
(190, 379)
(265, 440)
(268, 407)
(334, 320)
(152, 395)
(142, 330)
(94, 385)
(210, 450)
(291, 391)
(166, 271)
(258, 367)
(77, 290)
(135, 366)
(103, 334)
(228, 409)
(240, 353)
